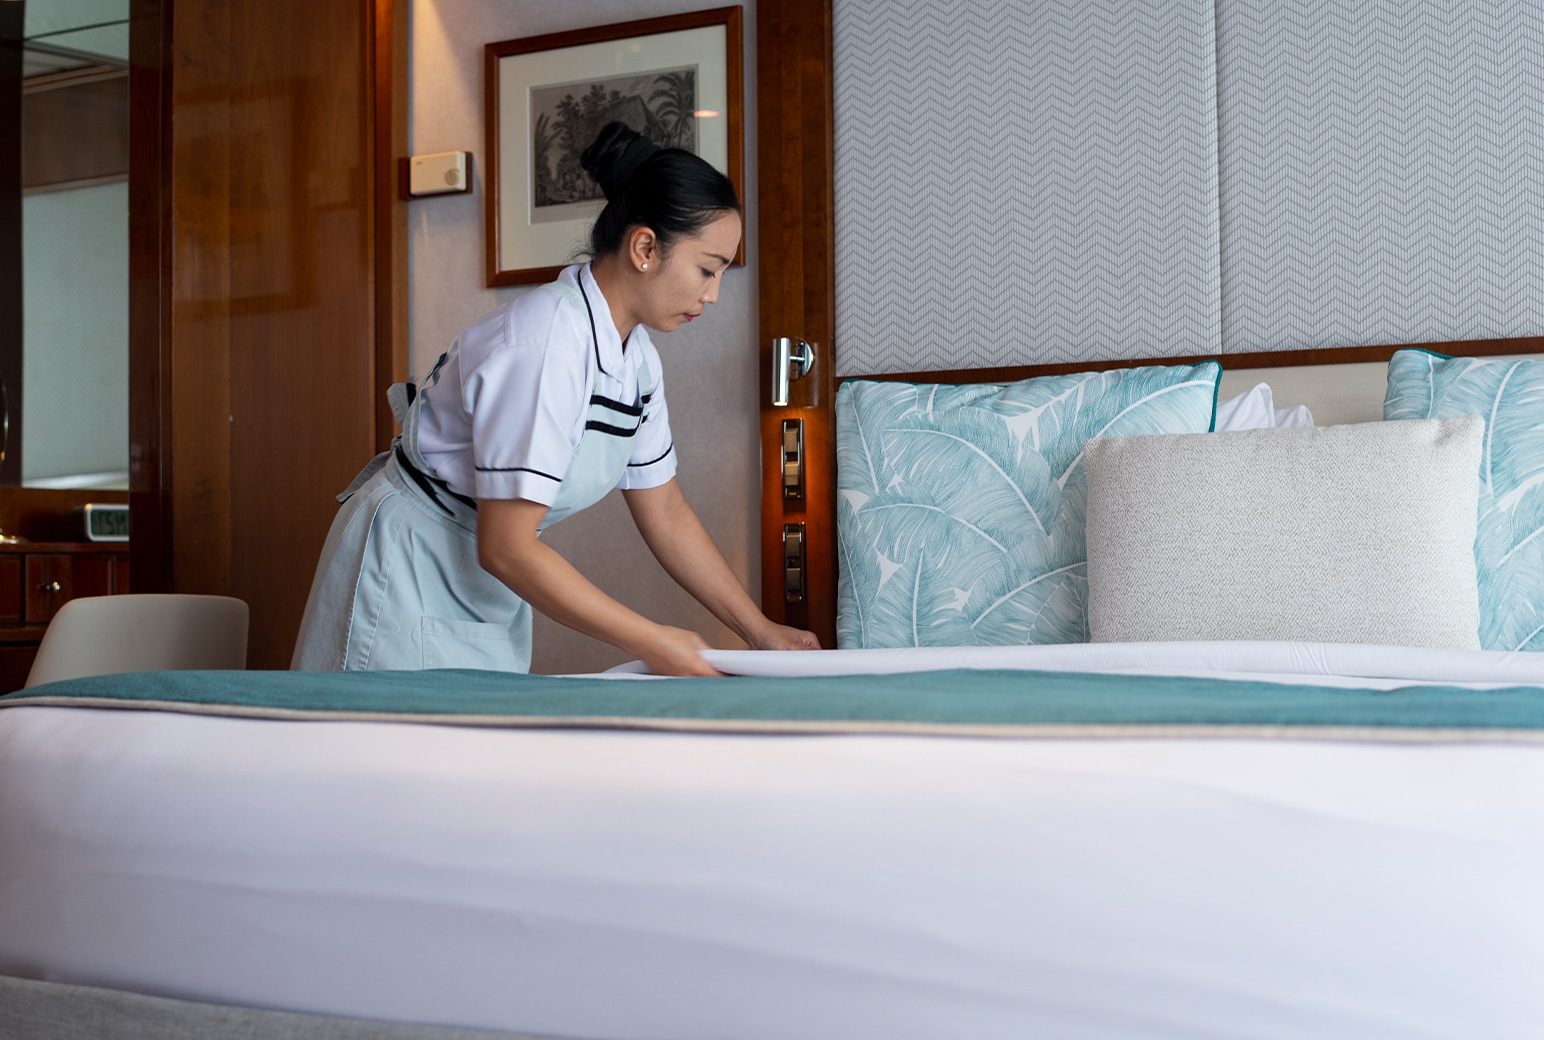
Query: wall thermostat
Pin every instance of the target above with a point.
(102, 521)
(443, 173)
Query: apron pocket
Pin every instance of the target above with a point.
(449, 643)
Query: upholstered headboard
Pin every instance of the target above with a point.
(1022, 188)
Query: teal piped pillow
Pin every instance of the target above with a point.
(1508, 393)
(960, 509)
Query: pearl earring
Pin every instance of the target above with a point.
(644, 265)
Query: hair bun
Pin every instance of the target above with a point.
(615, 155)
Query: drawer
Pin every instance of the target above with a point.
(52, 580)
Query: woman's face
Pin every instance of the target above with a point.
(688, 278)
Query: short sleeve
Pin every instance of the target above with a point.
(653, 461)
(527, 403)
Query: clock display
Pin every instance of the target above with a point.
(104, 521)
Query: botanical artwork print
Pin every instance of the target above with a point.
(960, 512)
(565, 119)
(1509, 546)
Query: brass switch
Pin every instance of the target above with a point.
(793, 563)
(793, 458)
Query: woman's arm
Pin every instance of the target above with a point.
(507, 548)
(684, 548)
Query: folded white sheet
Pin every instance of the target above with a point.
(1324, 664)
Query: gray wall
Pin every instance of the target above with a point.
(710, 367)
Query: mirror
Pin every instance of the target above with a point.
(68, 395)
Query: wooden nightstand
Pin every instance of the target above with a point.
(36, 579)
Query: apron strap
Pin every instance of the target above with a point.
(570, 291)
(645, 379)
(428, 484)
(373, 467)
(400, 396)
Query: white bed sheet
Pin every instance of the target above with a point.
(642, 885)
(1349, 665)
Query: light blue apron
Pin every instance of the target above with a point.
(399, 585)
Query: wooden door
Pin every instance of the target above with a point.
(797, 295)
(267, 289)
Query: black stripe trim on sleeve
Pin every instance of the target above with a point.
(661, 458)
(615, 431)
(517, 469)
(616, 406)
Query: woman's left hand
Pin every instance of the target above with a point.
(781, 637)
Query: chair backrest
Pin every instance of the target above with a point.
(101, 635)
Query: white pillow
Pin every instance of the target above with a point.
(1298, 415)
(1250, 410)
(1352, 534)
(1254, 410)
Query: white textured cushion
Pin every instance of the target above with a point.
(1350, 534)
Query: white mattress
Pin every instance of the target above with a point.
(622, 885)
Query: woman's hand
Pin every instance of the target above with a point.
(677, 651)
(773, 636)
(681, 544)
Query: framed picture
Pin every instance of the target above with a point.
(677, 79)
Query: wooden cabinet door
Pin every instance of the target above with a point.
(10, 590)
(54, 579)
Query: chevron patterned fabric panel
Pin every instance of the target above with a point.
(1380, 167)
(1024, 182)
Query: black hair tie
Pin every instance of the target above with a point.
(633, 156)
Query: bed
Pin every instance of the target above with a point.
(1173, 837)
(677, 859)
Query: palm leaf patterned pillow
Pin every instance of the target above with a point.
(1508, 393)
(960, 509)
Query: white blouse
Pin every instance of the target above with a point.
(505, 407)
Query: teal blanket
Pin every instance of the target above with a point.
(988, 703)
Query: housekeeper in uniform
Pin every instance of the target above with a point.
(536, 412)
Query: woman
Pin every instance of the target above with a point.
(536, 412)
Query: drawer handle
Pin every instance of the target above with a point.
(53, 586)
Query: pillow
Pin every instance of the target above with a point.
(1344, 534)
(1296, 416)
(960, 508)
(1508, 393)
(1254, 410)
(1250, 410)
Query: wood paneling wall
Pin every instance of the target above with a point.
(797, 291)
(262, 311)
(11, 28)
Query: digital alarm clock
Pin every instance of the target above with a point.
(103, 521)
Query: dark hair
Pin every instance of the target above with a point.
(668, 190)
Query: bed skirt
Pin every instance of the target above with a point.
(50, 1011)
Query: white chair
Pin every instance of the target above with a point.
(102, 635)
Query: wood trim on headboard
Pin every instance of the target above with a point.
(1259, 359)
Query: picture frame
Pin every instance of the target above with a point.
(678, 78)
